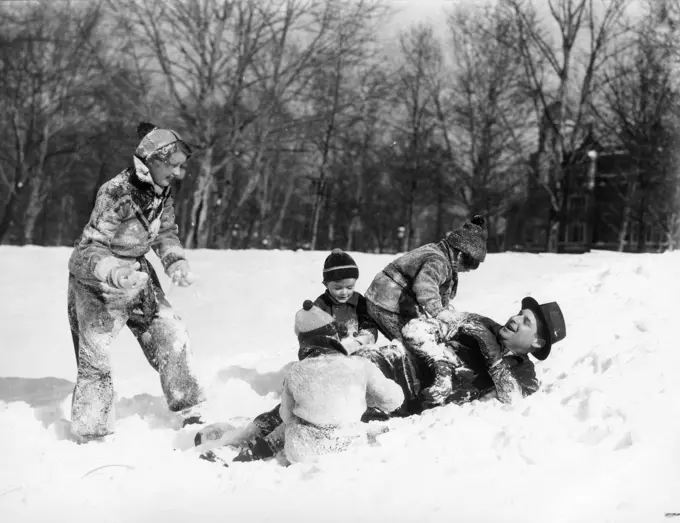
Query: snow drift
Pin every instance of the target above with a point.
(600, 442)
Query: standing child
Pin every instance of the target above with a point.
(112, 284)
(348, 307)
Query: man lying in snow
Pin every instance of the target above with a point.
(477, 358)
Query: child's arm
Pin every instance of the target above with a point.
(107, 215)
(381, 393)
(368, 329)
(287, 403)
(426, 283)
(166, 244)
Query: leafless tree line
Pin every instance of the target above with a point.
(314, 130)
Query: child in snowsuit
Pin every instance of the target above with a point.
(112, 284)
(325, 394)
(422, 282)
(348, 307)
(324, 397)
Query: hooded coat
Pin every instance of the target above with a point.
(324, 396)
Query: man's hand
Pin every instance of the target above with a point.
(488, 344)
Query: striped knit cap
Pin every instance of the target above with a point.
(338, 266)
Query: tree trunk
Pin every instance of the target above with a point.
(318, 204)
(36, 202)
(8, 217)
(199, 231)
(625, 218)
(278, 226)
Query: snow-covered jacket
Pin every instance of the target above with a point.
(131, 215)
(512, 378)
(323, 399)
(352, 317)
(424, 279)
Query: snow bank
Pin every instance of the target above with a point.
(600, 442)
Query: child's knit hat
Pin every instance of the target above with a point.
(313, 321)
(338, 266)
(470, 238)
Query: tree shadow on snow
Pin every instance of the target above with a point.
(262, 383)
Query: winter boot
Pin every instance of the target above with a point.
(256, 449)
(192, 416)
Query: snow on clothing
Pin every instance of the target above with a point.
(352, 317)
(469, 379)
(324, 397)
(414, 371)
(131, 216)
(421, 282)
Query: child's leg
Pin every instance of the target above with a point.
(268, 421)
(165, 341)
(73, 314)
(401, 366)
(389, 323)
(94, 324)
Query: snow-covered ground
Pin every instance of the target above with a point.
(600, 442)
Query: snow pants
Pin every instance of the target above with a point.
(389, 323)
(97, 313)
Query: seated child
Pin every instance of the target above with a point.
(348, 307)
(326, 393)
(324, 396)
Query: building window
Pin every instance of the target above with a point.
(575, 232)
(577, 203)
(653, 234)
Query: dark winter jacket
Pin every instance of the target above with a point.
(424, 279)
(511, 379)
(131, 215)
(352, 317)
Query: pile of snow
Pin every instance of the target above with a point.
(600, 442)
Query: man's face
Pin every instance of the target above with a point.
(520, 333)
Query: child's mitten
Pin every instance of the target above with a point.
(128, 277)
(180, 274)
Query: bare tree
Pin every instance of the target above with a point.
(637, 105)
(562, 77)
(50, 59)
(420, 55)
(489, 115)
